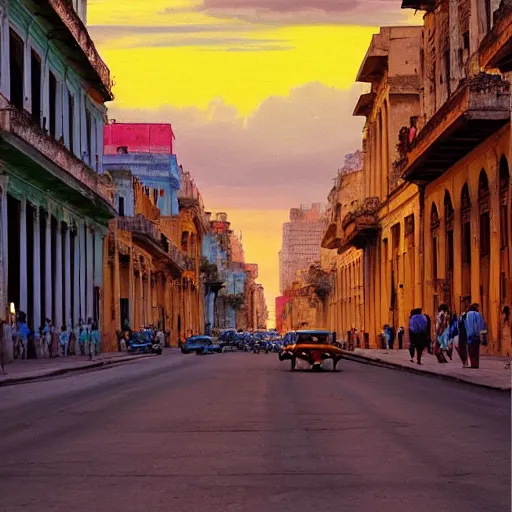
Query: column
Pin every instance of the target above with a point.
(131, 293)
(67, 277)
(82, 255)
(3, 243)
(58, 277)
(141, 304)
(90, 273)
(149, 300)
(48, 266)
(36, 319)
(23, 306)
(76, 278)
(116, 298)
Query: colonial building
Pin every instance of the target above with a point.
(55, 203)
(345, 301)
(460, 159)
(143, 268)
(177, 222)
(433, 221)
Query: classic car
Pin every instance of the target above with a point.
(313, 347)
(200, 345)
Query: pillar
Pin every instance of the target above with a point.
(131, 293)
(90, 273)
(82, 255)
(141, 304)
(58, 277)
(76, 279)
(67, 277)
(3, 241)
(36, 320)
(23, 306)
(48, 266)
(118, 321)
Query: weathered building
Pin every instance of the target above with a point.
(143, 267)
(301, 242)
(146, 151)
(345, 301)
(460, 158)
(55, 203)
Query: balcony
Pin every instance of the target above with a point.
(364, 104)
(70, 35)
(150, 237)
(331, 237)
(496, 48)
(419, 5)
(38, 158)
(375, 60)
(361, 225)
(477, 109)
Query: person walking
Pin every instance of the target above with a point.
(23, 334)
(400, 335)
(95, 338)
(442, 333)
(83, 340)
(475, 329)
(64, 340)
(418, 334)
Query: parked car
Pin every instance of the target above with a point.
(200, 345)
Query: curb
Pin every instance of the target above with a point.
(62, 371)
(357, 358)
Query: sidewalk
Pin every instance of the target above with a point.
(491, 374)
(33, 369)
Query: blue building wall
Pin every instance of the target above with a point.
(158, 172)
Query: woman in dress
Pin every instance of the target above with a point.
(442, 344)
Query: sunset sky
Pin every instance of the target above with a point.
(260, 94)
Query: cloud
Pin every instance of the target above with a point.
(284, 154)
(291, 12)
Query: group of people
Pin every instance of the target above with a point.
(389, 335)
(464, 333)
(50, 342)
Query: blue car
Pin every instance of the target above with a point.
(140, 342)
(200, 345)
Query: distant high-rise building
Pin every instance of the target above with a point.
(302, 237)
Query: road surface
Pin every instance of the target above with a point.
(239, 432)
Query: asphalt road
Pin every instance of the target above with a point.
(239, 432)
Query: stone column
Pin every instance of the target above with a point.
(23, 306)
(76, 279)
(48, 266)
(141, 304)
(36, 320)
(58, 277)
(67, 277)
(116, 298)
(82, 255)
(90, 273)
(131, 292)
(3, 241)
(149, 300)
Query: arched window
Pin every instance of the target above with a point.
(485, 240)
(465, 219)
(448, 230)
(434, 232)
(504, 231)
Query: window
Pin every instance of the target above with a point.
(35, 77)
(88, 130)
(121, 206)
(53, 105)
(466, 243)
(71, 119)
(16, 54)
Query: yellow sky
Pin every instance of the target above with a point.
(167, 52)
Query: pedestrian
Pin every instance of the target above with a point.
(55, 343)
(400, 334)
(95, 338)
(23, 334)
(47, 338)
(64, 340)
(418, 334)
(441, 343)
(83, 340)
(3, 323)
(387, 336)
(506, 332)
(476, 329)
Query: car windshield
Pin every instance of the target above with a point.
(203, 341)
(313, 338)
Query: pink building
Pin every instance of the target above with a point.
(138, 138)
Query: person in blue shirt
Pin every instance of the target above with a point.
(475, 328)
(64, 340)
(418, 334)
(23, 333)
(95, 338)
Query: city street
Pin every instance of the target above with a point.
(240, 432)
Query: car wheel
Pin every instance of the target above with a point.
(293, 362)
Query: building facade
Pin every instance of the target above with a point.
(433, 221)
(301, 242)
(55, 202)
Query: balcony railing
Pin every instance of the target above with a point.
(476, 110)
(149, 231)
(496, 48)
(18, 125)
(360, 225)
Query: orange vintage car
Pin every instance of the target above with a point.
(314, 347)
